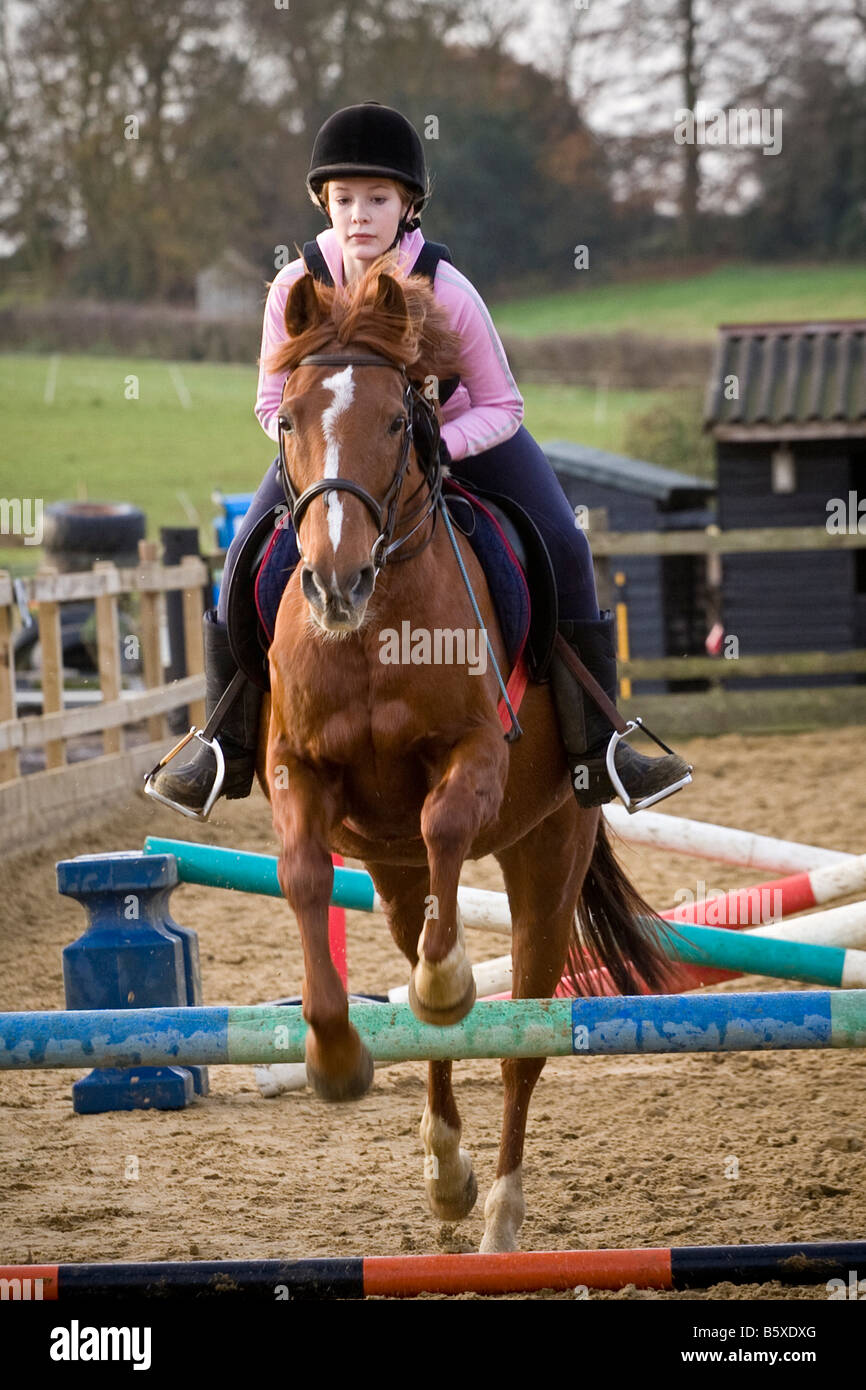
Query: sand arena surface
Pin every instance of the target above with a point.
(629, 1151)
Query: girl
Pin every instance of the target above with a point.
(368, 176)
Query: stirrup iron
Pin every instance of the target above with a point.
(207, 737)
(631, 806)
(213, 745)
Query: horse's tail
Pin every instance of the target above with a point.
(616, 929)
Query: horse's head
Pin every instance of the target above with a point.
(348, 421)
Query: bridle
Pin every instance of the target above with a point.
(419, 417)
(421, 424)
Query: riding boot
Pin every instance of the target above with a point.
(188, 784)
(587, 731)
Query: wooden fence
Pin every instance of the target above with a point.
(33, 805)
(717, 709)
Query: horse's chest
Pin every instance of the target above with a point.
(388, 769)
(389, 748)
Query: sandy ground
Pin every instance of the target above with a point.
(620, 1151)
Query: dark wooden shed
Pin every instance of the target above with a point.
(665, 595)
(786, 405)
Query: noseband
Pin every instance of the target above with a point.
(384, 513)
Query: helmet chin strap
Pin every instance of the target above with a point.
(404, 226)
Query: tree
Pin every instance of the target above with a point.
(124, 112)
(813, 201)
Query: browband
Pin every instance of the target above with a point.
(341, 359)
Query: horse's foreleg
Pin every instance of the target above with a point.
(449, 1182)
(543, 873)
(467, 797)
(339, 1066)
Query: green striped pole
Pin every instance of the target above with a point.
(201, 1036)
(716, 947)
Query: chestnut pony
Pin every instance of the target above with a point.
(406, 767)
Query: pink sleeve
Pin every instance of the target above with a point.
(487, 408)
(270, 389)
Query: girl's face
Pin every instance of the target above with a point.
(365, 214)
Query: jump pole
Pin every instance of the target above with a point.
(337, 933)
(844, 926)
(247, 1035)
(218, 867)
(719, 842)
(709, 952)
(731, 953)
(403, 1276)
(765, 903)
(707, 947)
(836, 926)
(744, 952)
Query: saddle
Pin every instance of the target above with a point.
(509, 547)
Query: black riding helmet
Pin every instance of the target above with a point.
(370, 139)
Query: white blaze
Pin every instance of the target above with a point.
(343, 387)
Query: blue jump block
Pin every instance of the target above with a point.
(132, 955)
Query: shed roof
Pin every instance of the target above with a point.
(627, 474)
(794, 381)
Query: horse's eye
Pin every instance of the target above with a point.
(397, 424)
(285, 423)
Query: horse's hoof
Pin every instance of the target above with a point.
(455, 1208)
(441, 1017)
(342, 1088)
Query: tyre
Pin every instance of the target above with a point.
(77, 533)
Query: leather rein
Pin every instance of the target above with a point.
(384, 513)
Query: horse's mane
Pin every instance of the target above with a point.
(422, 339)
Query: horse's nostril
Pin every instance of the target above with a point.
(361, 586)
(311, 587)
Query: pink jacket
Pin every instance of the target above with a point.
(486, 408)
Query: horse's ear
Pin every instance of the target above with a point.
(390, 298)
(303, 308)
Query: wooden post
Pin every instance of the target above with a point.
(150, 634)
(622, 631)
(51, 646)
(108, 651)
(8, 707)
(193, 635)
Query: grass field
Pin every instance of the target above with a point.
(192, 427)
(90, 442)
(693, 306)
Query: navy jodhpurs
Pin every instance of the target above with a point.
(520, 469)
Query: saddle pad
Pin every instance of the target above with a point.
(505, 578)
(275, 571)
